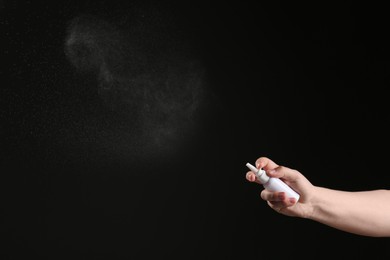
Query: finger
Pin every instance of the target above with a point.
(250, 176)
(265, 163)
(283, 172)
(273, 196)
(280, 204)
(275, 205)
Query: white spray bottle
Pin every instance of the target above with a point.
(273, 184)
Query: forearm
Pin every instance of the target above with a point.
(364, 213)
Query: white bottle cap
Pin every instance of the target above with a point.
(260, 173)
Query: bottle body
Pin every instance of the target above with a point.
(275, 184)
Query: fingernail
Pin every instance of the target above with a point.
(292, 200)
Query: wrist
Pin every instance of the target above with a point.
(316, 203)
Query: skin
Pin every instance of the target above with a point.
(365, 213)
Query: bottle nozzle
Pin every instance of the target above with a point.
(252, 168)
(260, 174)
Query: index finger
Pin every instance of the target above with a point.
(265, 163)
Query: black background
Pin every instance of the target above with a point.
(304, 84)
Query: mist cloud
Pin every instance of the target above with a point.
(143, 73)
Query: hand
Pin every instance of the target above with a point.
(278, 200)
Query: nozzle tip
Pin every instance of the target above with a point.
(252, 168)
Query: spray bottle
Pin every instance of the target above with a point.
(273, 184)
